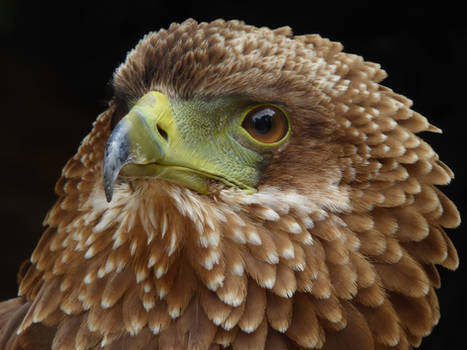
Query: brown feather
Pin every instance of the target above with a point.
(356, 332)
(373, 295)
(216, 310)
(65, 338)
(107, 323)
(184, 285)
(305, 329)
(252, 341)
(140, 341)
(415, 313)
(255, 308)
(115, 288)
(279, 312)
(406, 276)
(225, 337)
(85, 338)
(12, 313)
(383, 323)
(193, 330)
(158, 318)
(134, 315)
(286, 284)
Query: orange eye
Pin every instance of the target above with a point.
(267, 124)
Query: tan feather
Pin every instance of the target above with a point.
(107, 323)
(255, 307)
(263, 247)
(158, 318)
(398, 174)
(234, 289)
(372, 242)
(412, 226)
(322, 287)
(383, 323)
(65, 338)
(216, 310)
(450, 217)
(193, 330)
(452, 259)
(336, 251)
(200, 329)
(262, 272)
(286, 284)
(365, 271)
(134, 315)
(432, 274)
(48, 302)
(279, 312)
(28, 319)
(184, 285)
(305, 329)
(90, 294)
(252, 341)
(70, 303)
(344, 280)
(372, 296)
(134, 342)
(12, 313)
(116, 286)
(225, 337)
(405, 276)
(297, 262)
(164, 283)
(171, 339)
(278, 341)
(393, 252)
(384, 221)
(438, 174)
(330, 309)
(415, 313)
(85, 338)
(285, 247)
(31, 280)
(427, 200)
(356, 332)
(432, 249)
(402, 345)
(416, 123)
(53, 319)
(314, 269)
(358, 222)
(234, 317)
(432, 300)
(212, 277)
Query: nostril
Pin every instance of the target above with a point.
(162, 132)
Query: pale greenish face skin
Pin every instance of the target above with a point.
(188, 142)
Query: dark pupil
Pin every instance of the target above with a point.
(262, 121)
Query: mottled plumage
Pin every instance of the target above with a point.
(336, 250)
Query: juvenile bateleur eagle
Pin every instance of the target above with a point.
(247, 189)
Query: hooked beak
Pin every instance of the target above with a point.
(146, 143)
(121, 149)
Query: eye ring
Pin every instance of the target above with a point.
(266, 123)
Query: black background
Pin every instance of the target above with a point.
(57, 59)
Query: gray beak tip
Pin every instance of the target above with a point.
(115, 157)
(108, 188)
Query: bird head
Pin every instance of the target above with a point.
(228, 107)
